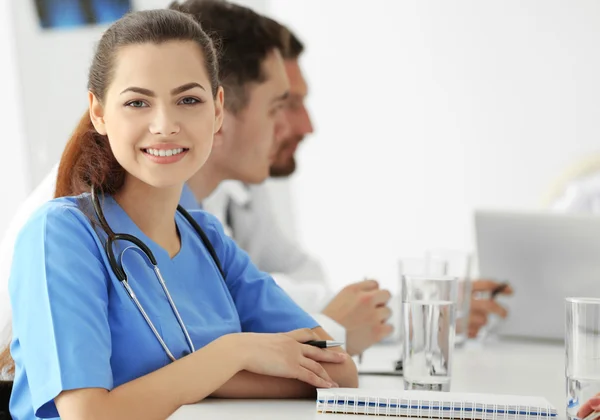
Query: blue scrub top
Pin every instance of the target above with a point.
(74, 326)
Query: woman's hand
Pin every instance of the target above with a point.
(284, 356)
(593, 404)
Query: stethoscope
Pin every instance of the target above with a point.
(141, 248)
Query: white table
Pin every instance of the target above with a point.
(518, 368)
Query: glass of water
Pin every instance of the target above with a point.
(429, 315)
(582, 352)
(458, 264)
(420, 267)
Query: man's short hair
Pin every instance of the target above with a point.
(295, 47)
(243, 38)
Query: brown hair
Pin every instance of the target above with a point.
(244, 38)
(7, 366)
(295, 47)
(88, 159)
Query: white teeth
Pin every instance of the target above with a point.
(163, 152)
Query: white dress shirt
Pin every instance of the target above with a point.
(43, 193)
(248, 216)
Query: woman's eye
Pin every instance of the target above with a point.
(190, 101)
(137, 104)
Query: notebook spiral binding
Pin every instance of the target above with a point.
(433, 409)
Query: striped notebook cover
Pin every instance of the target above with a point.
(436, 405)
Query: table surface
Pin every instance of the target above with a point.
(502, 367)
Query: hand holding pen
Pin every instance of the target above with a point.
(499, 289)
(285, 355)
(482, 307)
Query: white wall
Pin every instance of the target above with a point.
(427, 110)
(14, 177)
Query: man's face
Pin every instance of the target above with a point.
(284, 163)
(252, 136)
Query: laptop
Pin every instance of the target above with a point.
(546, 257)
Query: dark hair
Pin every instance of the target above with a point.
(244, 38)
(295, 47)
(88, 159)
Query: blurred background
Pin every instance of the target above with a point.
(423, 110)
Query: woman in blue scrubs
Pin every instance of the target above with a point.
(82, 347)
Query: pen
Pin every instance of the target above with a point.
(593, 415)
(499, 289)
(324, 344)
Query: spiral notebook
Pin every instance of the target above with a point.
(436, 405)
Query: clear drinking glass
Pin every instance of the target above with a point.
(429, 314)
(458, 264)
(582, 352)
(414, 266)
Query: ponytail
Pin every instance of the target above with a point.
(7, 365)
(88, 161)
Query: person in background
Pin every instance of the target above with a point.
(244, 151)
(97, 332)
(247, 212)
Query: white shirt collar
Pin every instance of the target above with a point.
(237, 191)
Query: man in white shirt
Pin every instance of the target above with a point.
(248, 213)
(235, 156)
(358, 314)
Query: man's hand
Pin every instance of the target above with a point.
(361, 308)
(482, 307)
(593, 404)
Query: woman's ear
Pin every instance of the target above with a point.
(219, 138)
(96, 114)
(219, 109)
(225, 130)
